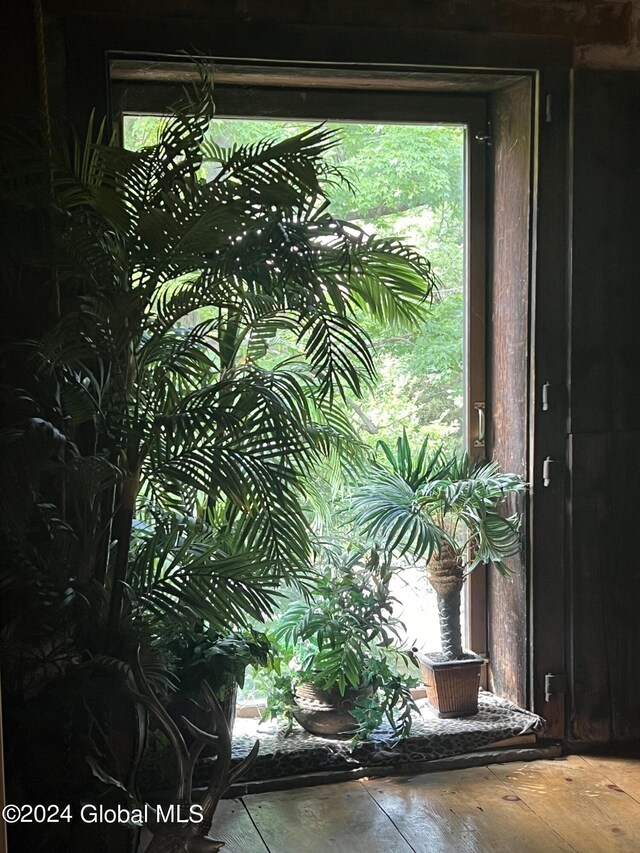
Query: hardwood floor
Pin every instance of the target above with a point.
(575, 805)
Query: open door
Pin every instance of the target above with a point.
(508, 367)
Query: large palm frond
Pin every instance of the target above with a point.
(425, 501)
(429, 464)
(386, 510)
(179, 575)
(174, 277)
(472, 493)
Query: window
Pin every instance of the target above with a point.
(248, 97)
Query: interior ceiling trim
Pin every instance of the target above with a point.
(321, 76)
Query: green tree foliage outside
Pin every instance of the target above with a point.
(405, 182)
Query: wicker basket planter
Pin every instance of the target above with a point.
(452, 686)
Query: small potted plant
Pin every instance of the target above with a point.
(201, 654)
(346, 672)
(444, 509)
(195, 656)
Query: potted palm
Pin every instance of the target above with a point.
(444, 509)
(154, 459)
(346, 672)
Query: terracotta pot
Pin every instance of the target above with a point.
(327, 712)
(452, 686)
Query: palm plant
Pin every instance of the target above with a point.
(154, 463)
(205, 448)
(444, 510)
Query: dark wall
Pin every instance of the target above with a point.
(603, 579)
(25, 306)
(19, 89)
(604, 445)
(589, 25)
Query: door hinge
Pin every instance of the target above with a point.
(555, 684)
(546, 471)
(548, 115)
(545, 396)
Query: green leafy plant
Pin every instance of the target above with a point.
(154, 459)
(220, 660)
(444, 509)
(347, 638)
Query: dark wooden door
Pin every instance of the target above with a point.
(604, 440)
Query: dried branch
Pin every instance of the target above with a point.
(189, 836)
(366, 421)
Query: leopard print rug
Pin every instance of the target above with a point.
(430, 738)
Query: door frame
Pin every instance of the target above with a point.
(544, 622)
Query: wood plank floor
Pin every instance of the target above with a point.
(575, 805)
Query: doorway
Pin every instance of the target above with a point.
(497, 112)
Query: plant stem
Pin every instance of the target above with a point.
(446, 577)
(450, 630)
(122, 526)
